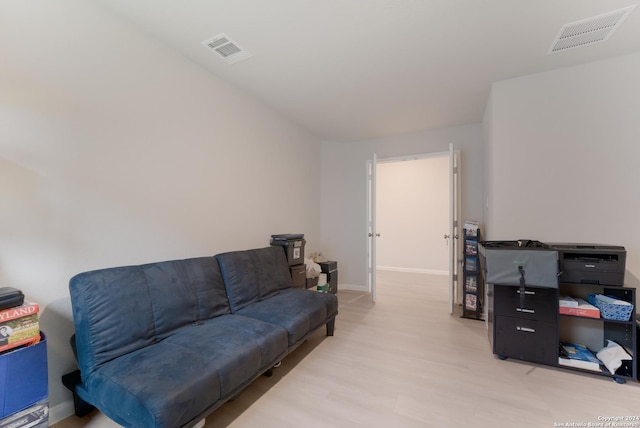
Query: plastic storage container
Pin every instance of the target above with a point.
(293, 245)
(610, 310)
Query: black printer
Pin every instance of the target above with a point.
(591, 263)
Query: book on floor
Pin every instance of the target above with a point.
(579, 356)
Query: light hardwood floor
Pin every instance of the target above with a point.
(405, 362)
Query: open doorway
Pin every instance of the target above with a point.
(412, 218)
(412, 214)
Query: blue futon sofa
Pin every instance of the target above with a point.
(164, 344)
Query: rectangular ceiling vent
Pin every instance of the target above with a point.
(226, 48)
(589, 31)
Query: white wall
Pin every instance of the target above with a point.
(114, 150)
(412, 215)
(563, 149)
(344, 186)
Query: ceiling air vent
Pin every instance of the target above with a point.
(226, 48)
(589, 31)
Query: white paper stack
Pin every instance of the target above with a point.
(568, 302)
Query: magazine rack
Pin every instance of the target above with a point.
(472, 281)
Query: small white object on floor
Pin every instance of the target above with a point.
(199, 424)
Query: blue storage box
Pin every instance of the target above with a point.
(611, 311)
(36, 416)
(23, 377)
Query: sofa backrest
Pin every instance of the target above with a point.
(119, 310)
(252, 275)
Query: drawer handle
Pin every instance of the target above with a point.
(526, 311)
(525, 329)
(526, 292)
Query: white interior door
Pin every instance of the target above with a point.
(454, 186)
(371, 226)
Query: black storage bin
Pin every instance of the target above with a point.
(293, 245)
(331, 269)
(10, 297)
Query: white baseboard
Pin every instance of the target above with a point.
(61, 411)
(413, 270)
(353, 287)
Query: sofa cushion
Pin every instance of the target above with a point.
(119, 310)
(174, 381)
(252, 275)
(296, 310)
(184, 292)
(112, 314)
(230, 340)
(146, 388)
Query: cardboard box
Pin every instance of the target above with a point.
(299, 276)
(36, 416)
(19, 326)
(312, 282)
(23, 377)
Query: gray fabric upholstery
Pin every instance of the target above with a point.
(119, 310)
(164, 344)
(259, 285)
(252, 275)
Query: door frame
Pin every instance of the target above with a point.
(454, 210)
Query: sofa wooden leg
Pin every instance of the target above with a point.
(269, 372)
(330, 326)
(81, 407)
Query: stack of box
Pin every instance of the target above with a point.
(293, 245)
(23, 368)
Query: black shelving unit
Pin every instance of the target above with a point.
(596, 332)
(472, 278)
(527, 322)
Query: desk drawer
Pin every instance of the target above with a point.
(527, 340)
(539, 303)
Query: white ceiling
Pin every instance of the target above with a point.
(349, 70)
